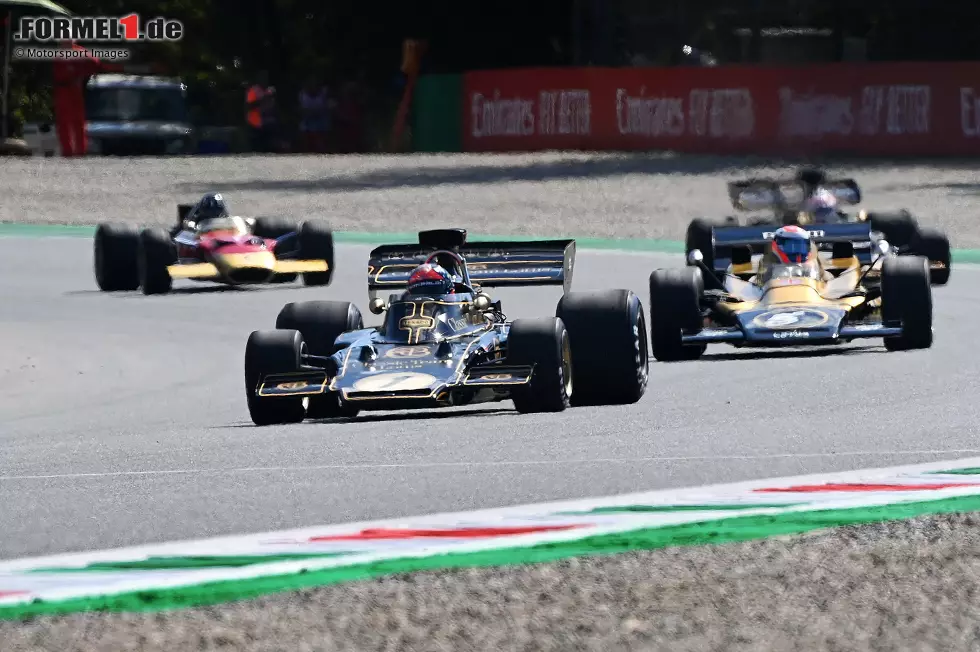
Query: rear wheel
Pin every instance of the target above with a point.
(906, 298)
(274, 227)
(272, 352)
(116, 249)
(156, 253)
(316, 243)
(675, 307)
(609, 349)
(899, 228)
(321, 323)
(545, 344)
(934, 245)
(700, 236)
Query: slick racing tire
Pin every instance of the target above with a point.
(544, 343)
(609, 345)
(699, 236)
(934, 245)
(156, 253)
(274, 227)
(899, 228)
(271, 352)
(675, 307)
(116, 248)
(316, 243)
(906, 298)
(321, 323)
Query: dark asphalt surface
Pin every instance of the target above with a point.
(124, 418)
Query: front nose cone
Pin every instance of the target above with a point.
(257, 267)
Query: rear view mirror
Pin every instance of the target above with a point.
(694, 257)
(883, 247)
(377, 306)
(481, 302)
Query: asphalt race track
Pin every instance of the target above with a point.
(124, 418)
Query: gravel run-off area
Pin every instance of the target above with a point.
(597, 195)
(906, 585)
(912, 585)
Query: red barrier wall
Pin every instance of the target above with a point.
(910, 109)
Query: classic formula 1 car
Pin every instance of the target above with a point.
(451, 349)
(788, 201)
(826, 291)
(212, 246)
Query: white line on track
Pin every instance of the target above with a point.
(423, 465)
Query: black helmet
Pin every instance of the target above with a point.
(211, 205)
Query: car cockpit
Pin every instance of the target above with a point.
(456, 266)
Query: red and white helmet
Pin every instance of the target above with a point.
(430, 280)
(791, 245)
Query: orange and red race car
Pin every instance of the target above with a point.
(209, 244)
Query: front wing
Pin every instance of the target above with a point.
(209, 270)
(793, 326)
(797, 337)
(315, 382)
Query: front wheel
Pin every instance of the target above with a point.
(609, 346)
(544, 344)
(675, 307)
(272, 352)
(116, 249)
(156, 254)
(906, 299)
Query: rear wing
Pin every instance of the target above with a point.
(787, 195)
(489, 264)
(760, 236)
(757, 238)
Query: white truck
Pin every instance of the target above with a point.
(128, 115)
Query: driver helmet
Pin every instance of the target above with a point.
(791, 245)
(430, 280)
(822, 205)
(211, 205)
(451, 262)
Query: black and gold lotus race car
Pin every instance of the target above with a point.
(452, 349)
(847, 284)
(782, 202)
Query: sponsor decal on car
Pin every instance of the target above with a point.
(394, 382)
(409, 352)
(790, 334)
(792, 318)
(409, 323)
